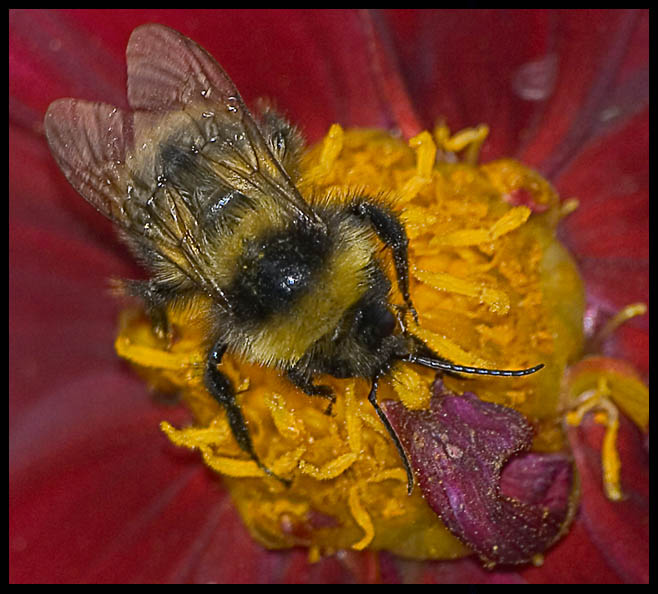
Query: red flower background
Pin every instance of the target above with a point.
(96, 492)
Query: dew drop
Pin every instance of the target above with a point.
(535, 80)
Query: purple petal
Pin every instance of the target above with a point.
(458, 448)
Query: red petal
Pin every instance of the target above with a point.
(318, 68)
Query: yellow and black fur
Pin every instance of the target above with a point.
(204, 195)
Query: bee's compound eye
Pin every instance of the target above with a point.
(386, 323)
(375, 322)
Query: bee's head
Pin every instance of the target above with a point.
(368, 341)
(373, 323)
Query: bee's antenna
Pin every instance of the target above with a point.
(443, 365)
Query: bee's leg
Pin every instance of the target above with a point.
(306, 385)
(390, 231)
(155, 300)
(372, 398)
(221, 389)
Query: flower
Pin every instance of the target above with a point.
(95, 494)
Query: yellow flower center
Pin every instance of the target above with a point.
(492, 287)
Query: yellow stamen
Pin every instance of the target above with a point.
(568, 206)
(425, 154)
(410, 387)
(497, 301)
(352, 419)
(448, 349)
(362, 518)
(204, 440)
(154, 358)
(623, 315)
(331, 148)
(610, 456)
(394, 474)
(511, 220)
(599, 399)
(331, 469)
(286, 422)
(417, 219)
(425, 157)
(314, 554)
(470, 139)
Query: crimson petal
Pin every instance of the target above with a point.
(458, 448)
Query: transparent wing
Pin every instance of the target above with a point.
(173, 81)
(92, 144)
(89, 142)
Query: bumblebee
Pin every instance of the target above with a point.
(204, 195)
